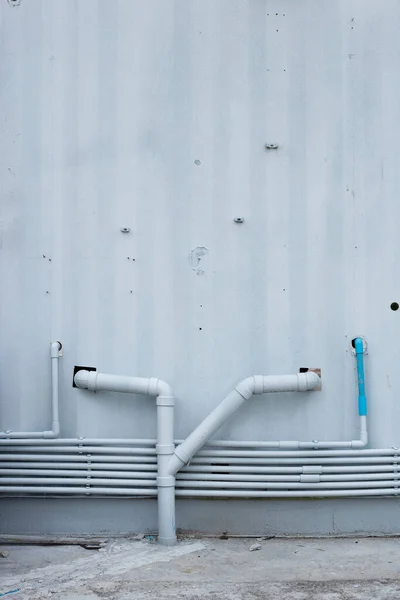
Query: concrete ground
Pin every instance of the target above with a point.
(284, 569)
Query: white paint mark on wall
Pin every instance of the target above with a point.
(196, 259)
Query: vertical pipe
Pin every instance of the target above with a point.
(55, 425)
(8, 437)
(165, 482)
(362, 399)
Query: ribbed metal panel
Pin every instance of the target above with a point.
(154, 116)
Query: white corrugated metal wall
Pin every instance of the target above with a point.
(154, 116)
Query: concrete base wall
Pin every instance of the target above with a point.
(118, 516)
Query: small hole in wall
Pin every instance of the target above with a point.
(200, 329)
(394, 306)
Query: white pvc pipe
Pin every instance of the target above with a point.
(84, 442)
(232, 444)
(306, 454)
(290, 461)
(32, 476)
(243, 392)
(209, 485)
(75, 481)
(63, 491)
(79, 473)
(248, 469)
(205, 469)
(92, 380)
(78, 458)
(198, 463)
(165, 481)
(6, 437)
(199, 469)
(197, 493)
(194, 493)
(293, 444)
(93, 450)
(38, 446)
(286, 485)
(95, 381)
(80, 465)
(251, 477)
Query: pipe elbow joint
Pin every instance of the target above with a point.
(250, 386)
(359, 346)
(361, 443)
(86, 380)
(56, 428)
(55, 349)
(158, 387)
(178, 460)
(164, 389)
(54, 433)
(308, 381)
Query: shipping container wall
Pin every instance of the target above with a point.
(145, 223)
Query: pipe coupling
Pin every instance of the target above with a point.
(55, 349)
(86, 380)
(165, 448)
(246, 388)
(165, 401)
(166, 481)
(308, 381)
(158, 387)
(50, 435)
(183, 456)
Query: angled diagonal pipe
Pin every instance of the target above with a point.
(258, 384)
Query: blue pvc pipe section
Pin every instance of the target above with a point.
(362, 398)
